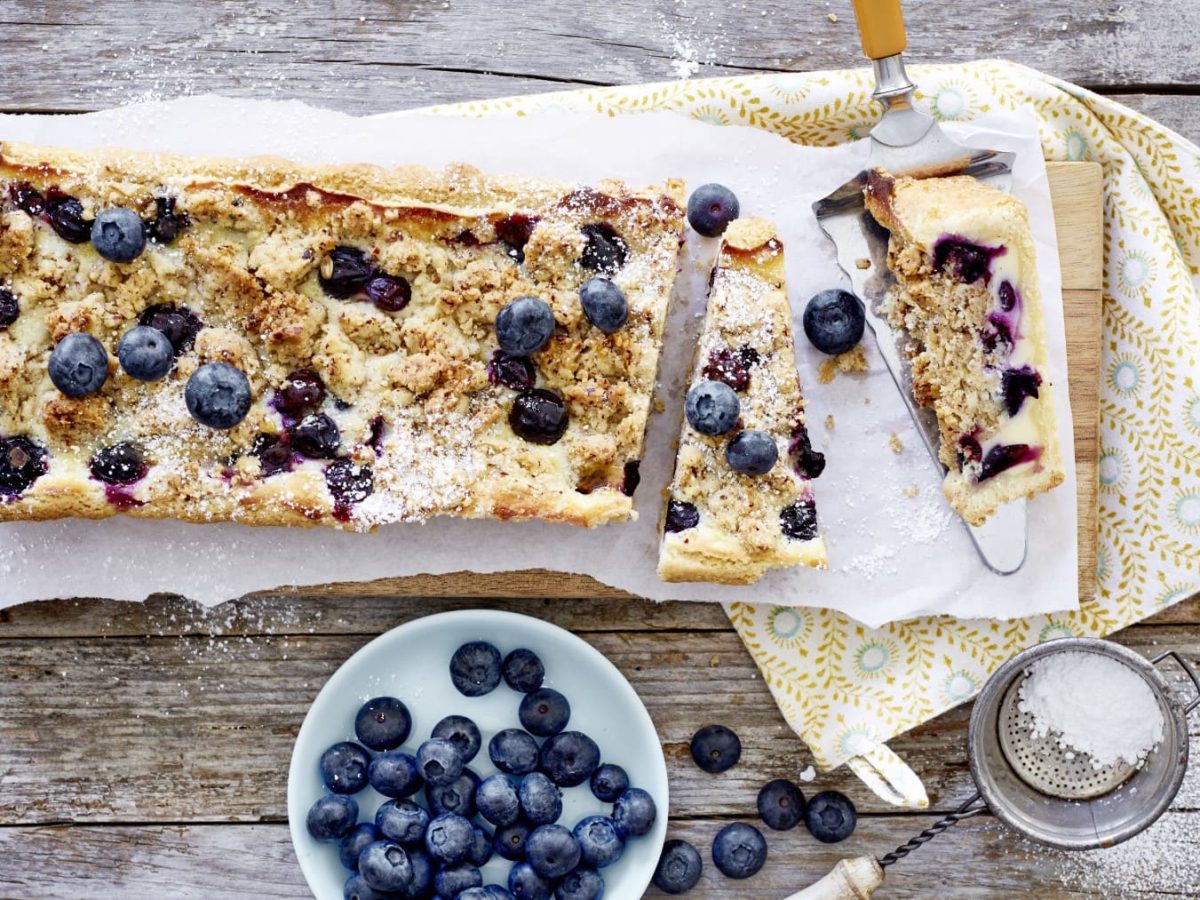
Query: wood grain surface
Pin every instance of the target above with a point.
(144, 747)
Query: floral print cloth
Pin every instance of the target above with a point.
(846, 688)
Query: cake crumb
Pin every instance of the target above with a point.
(659, 405)
(862, 263)
(808, 775)
(912, 492)
(853, 360)
(895, 444)
(829, 421)
(866, 401)
(832, 17)
(714, 661)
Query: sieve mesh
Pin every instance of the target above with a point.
(1044, 765)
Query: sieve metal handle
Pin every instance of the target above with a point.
(966, 811)
(1187, 669)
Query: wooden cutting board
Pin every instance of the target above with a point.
(1076, 189)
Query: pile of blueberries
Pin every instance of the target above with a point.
(436, 850)
(739, 850)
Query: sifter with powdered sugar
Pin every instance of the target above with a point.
(1076, 743)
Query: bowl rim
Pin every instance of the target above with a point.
(656, 768)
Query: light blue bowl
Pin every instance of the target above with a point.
(412, 663)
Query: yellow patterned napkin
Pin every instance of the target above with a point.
(846, 688)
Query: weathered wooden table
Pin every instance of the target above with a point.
(144, 749)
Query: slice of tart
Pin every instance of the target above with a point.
(277, 344)
(741, 501)
(967, 293)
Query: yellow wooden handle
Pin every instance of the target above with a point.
(881, 27)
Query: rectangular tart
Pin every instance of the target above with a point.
(722, 525)
(360, 305)
(967, 293)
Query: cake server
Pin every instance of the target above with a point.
(908, 141)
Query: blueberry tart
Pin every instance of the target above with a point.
(741, 499)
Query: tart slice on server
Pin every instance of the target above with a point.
(741, 501)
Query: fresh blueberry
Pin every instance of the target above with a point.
(604, 250)
(541, 801)
(569, 758)
(481, 848)
(509, 840)
(739, 850)
(65, 215)
(449, 838)
(712, 407)
(679, 868)
(457, 797)
(78, 365)
(799, 520)
(497, 800)
(332, 817)
(1016, 385)
(22, 462)
(731, 367)
(439, 761)
(386, 866)
(681, 516)
(515, 372)
(118, 234)
(539, 416)
(10, 309)
(394, 774)
(346, 272)
(178, 323)
(356, 888)
(552, 851)
(383, 723)
(145, 353)
(599, 843)
(301, 393)
(475, 668)
(830, 817)
(402, 821)
(715, 748)
(462, 733)
(391, 293)
(423, 868)
(356, 842)
(344, 767)
(487, 892)
(349, 482)
(526, 884)
(609, 782)
(604, 304)
(634, 813)
(834, 321)
(119, 464)
(581, 884)
(513, 751)
(167, 224)
(316, 436)
(781, 805)
(218, 395)
(711, 208)
(523, 671)
(524, 326)
(752, 452)
(544, 712)
(450, 881)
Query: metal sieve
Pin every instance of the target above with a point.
(1039, 789)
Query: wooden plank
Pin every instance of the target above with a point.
(377, 55)
(980, 857)
(201, 728)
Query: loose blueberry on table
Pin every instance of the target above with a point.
(739, 850)
(711, 208)
(679, 867)
(830, 817)
(834, 321)
(781, 805)
(715, 748)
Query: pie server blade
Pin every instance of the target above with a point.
(908, 141)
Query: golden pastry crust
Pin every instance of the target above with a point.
(739, 533)
(967, 291)
(409, 390)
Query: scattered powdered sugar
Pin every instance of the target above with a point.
(1096, 705)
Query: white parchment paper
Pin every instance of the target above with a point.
(893, 556)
